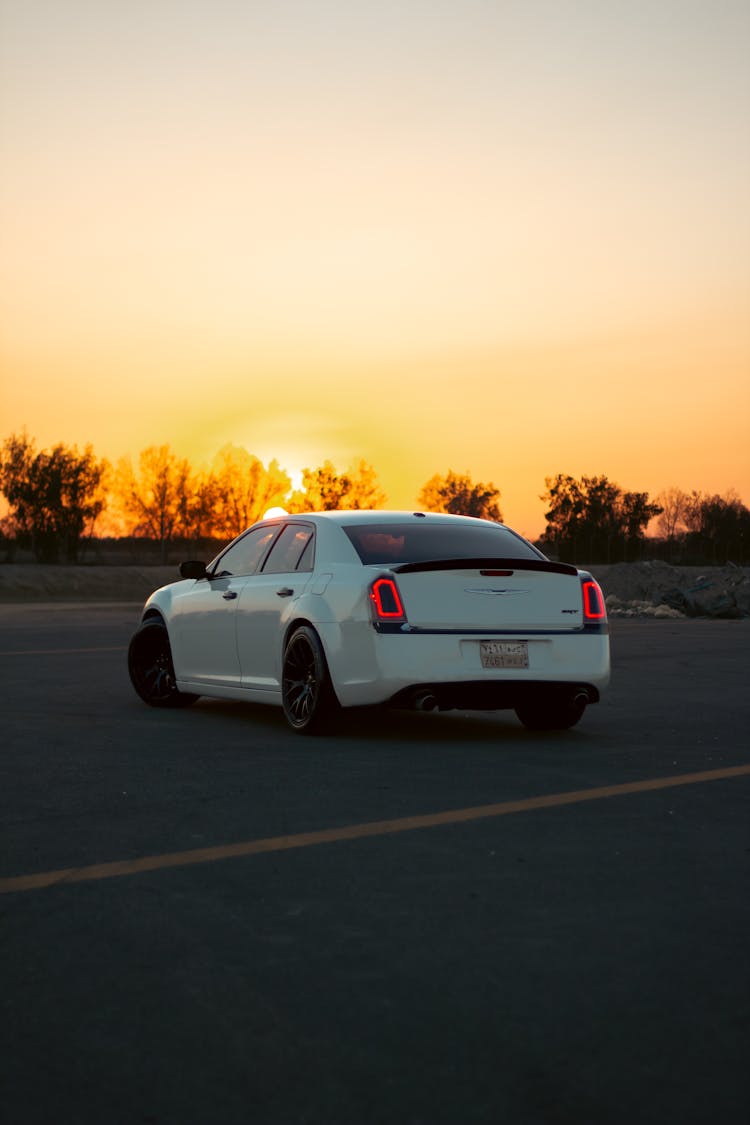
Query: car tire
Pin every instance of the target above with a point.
(307, 695)
(151, 669)
(554, 713)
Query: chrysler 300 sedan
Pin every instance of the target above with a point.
(331, 610)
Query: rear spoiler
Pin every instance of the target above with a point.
(486, 564)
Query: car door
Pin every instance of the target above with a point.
(203, 626)
(267, 602)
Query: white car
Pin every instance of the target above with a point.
(357, 608)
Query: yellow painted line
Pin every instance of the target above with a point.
(355, 831)
(60, 651)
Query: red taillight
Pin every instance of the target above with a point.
(594, 608)
(386, 600)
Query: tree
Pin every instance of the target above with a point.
(567, 505)
(324, 489)
(459, 495)
(635, 513)
(158, 500)
(593, 519)
(198, 508)
(692, 514)
(243, 490)
(55, 496)
(673, 504)
(718, 527)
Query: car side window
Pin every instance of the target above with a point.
(291, 551)
(306, 558)
(244, 555)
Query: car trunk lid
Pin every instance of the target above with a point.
(490, 595)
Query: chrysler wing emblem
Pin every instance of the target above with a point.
(493, 590)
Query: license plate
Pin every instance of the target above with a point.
(504, 654)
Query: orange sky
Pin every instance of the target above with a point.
(507, 239)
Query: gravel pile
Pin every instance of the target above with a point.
(656, 589)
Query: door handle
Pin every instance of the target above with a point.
(228, 595)
(285, 592)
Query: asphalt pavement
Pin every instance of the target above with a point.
(428, 918)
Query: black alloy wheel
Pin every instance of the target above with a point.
(306, 692)
(151, 669)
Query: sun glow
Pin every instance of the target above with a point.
(475, 237)
(295, 475)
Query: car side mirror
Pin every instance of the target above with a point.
(193, 569)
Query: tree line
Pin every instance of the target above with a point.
(594, 520)
(57, 497)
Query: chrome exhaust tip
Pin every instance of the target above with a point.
(425, 701)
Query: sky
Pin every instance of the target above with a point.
(503, 237)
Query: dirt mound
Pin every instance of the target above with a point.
(656, 589)
(32, 582)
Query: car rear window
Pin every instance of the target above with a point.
(422, 541)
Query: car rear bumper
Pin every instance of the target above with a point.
(369, 668)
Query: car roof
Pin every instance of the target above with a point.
(353, 516)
